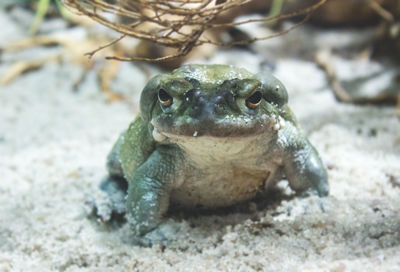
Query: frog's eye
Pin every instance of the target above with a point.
(254, 100)
(164, 98)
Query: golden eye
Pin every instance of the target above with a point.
(164, 98)
(254, 100)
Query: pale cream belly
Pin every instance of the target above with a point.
(219, 187)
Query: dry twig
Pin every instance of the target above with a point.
(324, 59)
(106, 73)
(178, 24)
(21, 67)
(386, 15)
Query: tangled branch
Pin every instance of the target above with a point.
(178, 24)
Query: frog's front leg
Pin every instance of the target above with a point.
(149, 191)
(301, 163)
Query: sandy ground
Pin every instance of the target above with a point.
(53, 144)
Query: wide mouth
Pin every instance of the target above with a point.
(216, 129)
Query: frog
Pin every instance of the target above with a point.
(207, 136)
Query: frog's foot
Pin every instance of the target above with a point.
(317, 202)
(308, 203)
(162, 235)
(108, 202)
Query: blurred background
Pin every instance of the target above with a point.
(331, 33)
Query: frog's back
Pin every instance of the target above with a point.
(212, 74)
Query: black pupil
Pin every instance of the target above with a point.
(164, 96)
(255, 98)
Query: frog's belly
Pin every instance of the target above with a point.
(219, 187)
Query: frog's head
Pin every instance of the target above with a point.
(212, 100)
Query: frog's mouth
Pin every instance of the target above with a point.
(222, 129)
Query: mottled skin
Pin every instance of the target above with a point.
(208, 136)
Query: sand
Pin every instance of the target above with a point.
(53, 145)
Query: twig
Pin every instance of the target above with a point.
(92, 53)
(22, 67)
(381, 11)
(176, 24)
(248, 41)
(324, 60)
(160, 59)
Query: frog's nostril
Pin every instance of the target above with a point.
(189, 95)
(220, 105)
(197, 109)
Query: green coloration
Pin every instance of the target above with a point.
(41, 10)
(61, 9)
(275, 9)
(214, 136)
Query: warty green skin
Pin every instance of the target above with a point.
(208, 149)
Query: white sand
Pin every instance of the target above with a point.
(53, 144)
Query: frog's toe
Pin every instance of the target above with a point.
(100, 205)
(162, 235)
(97, 205)
(107, 203)
(309, 204)
(318, 201)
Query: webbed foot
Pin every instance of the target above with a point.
(162, 235)
(109, 202)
